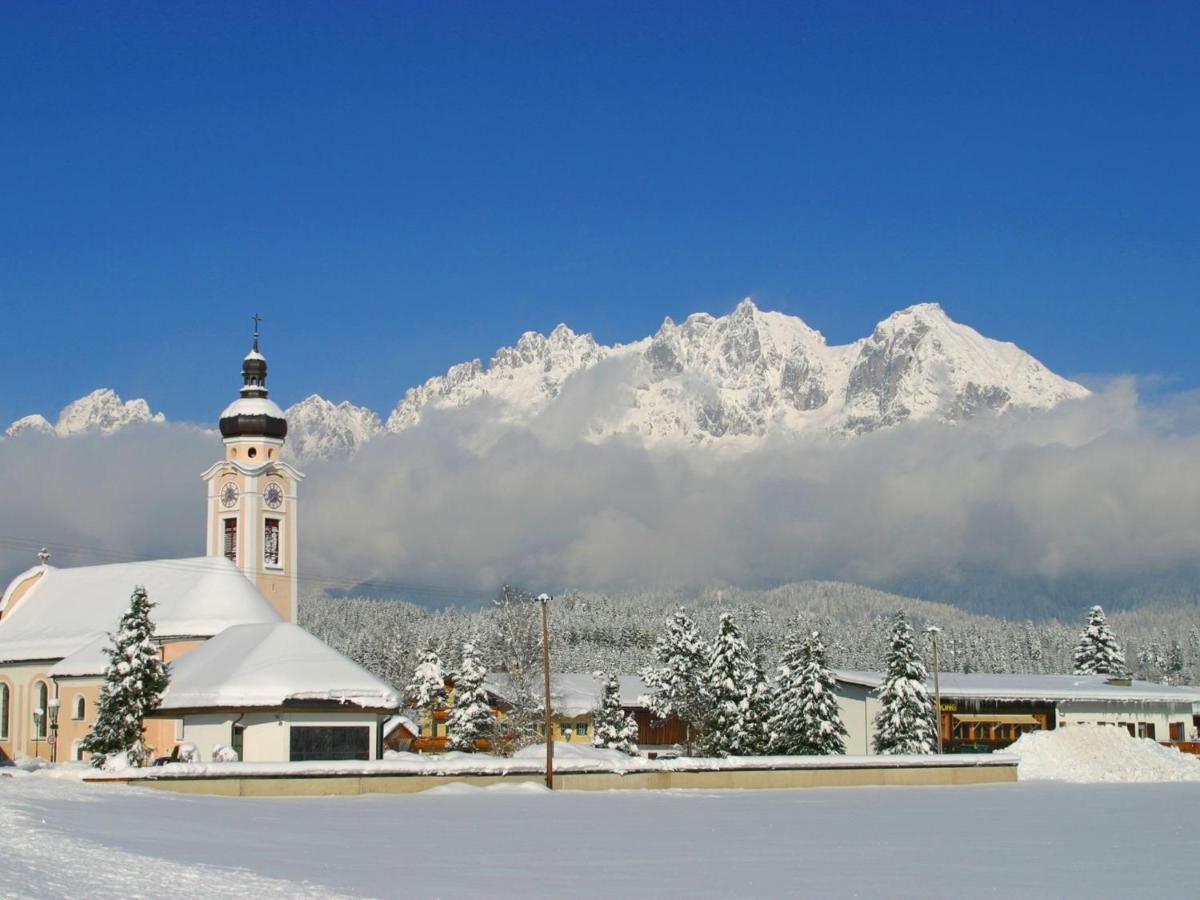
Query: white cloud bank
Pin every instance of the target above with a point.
(1100, 487)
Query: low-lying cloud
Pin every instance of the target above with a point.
(1102, 487)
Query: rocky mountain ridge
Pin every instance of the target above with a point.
(729, 380)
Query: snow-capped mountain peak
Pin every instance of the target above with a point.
(319, 429)
(100, 411)
(732, 379)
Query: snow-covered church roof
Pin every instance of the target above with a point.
(68, 609)
(271, 665)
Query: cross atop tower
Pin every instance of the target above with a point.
(256, 318)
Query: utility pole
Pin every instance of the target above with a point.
(933, 631)
(544, 599)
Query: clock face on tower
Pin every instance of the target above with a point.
(273, 495)
(229, 494)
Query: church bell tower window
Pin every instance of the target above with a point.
(231, 539)
(271, 542)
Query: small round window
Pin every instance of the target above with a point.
(252, 452)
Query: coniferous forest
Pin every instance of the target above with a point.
(616, 633)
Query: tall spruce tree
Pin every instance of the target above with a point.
(905, 722)
(471, 718)
(807, 719)
(787, 720)
(1098, 652)
(761, 702)
(134, 683)
(677, 682)
(427, 691)
(613, 728)
(728, 728)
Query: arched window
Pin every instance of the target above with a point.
(3, 712)
(78, 707)
(76, 750)
(43, 697)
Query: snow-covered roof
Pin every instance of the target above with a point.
(983, 686)
(253, 406)
(574, 693)
(400, 721)
(271, 665)
(68, 609)
(89, 659)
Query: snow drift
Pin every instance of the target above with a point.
(1086, 754)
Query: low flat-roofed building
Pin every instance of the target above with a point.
(275, 693)
(985, 712)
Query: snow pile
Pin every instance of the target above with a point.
(1093, 753)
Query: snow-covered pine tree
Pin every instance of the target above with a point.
(427, 691)
(807, 719)
(613, 728)
(761, 701)
(728, 730)
(471, 716)
(787, 719)
(821, 729)
(1098, 652)
(677, 682)
(133, 686)
(905, 722)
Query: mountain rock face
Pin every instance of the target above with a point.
(319, 429)
(740, 377)
(523, 379)
(100, 411)
(730, 380)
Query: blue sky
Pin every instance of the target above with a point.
(399, 187)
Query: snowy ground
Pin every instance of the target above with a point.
(62, 838)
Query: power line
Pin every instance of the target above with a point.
(103, 555)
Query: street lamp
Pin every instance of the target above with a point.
(544, 599)
(54, 704)
(933, 631)
(38, 715)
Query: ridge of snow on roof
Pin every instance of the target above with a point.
(252, 406)
(270, 665)
(67, 609)
(574, 693)
(1038, 687)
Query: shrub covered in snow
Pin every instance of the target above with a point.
(224, 753)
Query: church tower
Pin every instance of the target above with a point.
(252, 492)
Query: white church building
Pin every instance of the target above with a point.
(243, 674)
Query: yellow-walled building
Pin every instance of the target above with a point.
(54, 623)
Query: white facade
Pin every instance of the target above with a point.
(267, 734)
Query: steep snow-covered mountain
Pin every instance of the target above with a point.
(319, 429)
(748, 374)
(100, 411)
(730, 379)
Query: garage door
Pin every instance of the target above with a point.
(323, 742)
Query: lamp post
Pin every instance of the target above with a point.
(38, 715)
(53, 705)
(933, 631)
(544, 599)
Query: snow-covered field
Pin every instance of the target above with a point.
(1040, 837)
(62, 838)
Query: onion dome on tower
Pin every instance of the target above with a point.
(253, 415)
